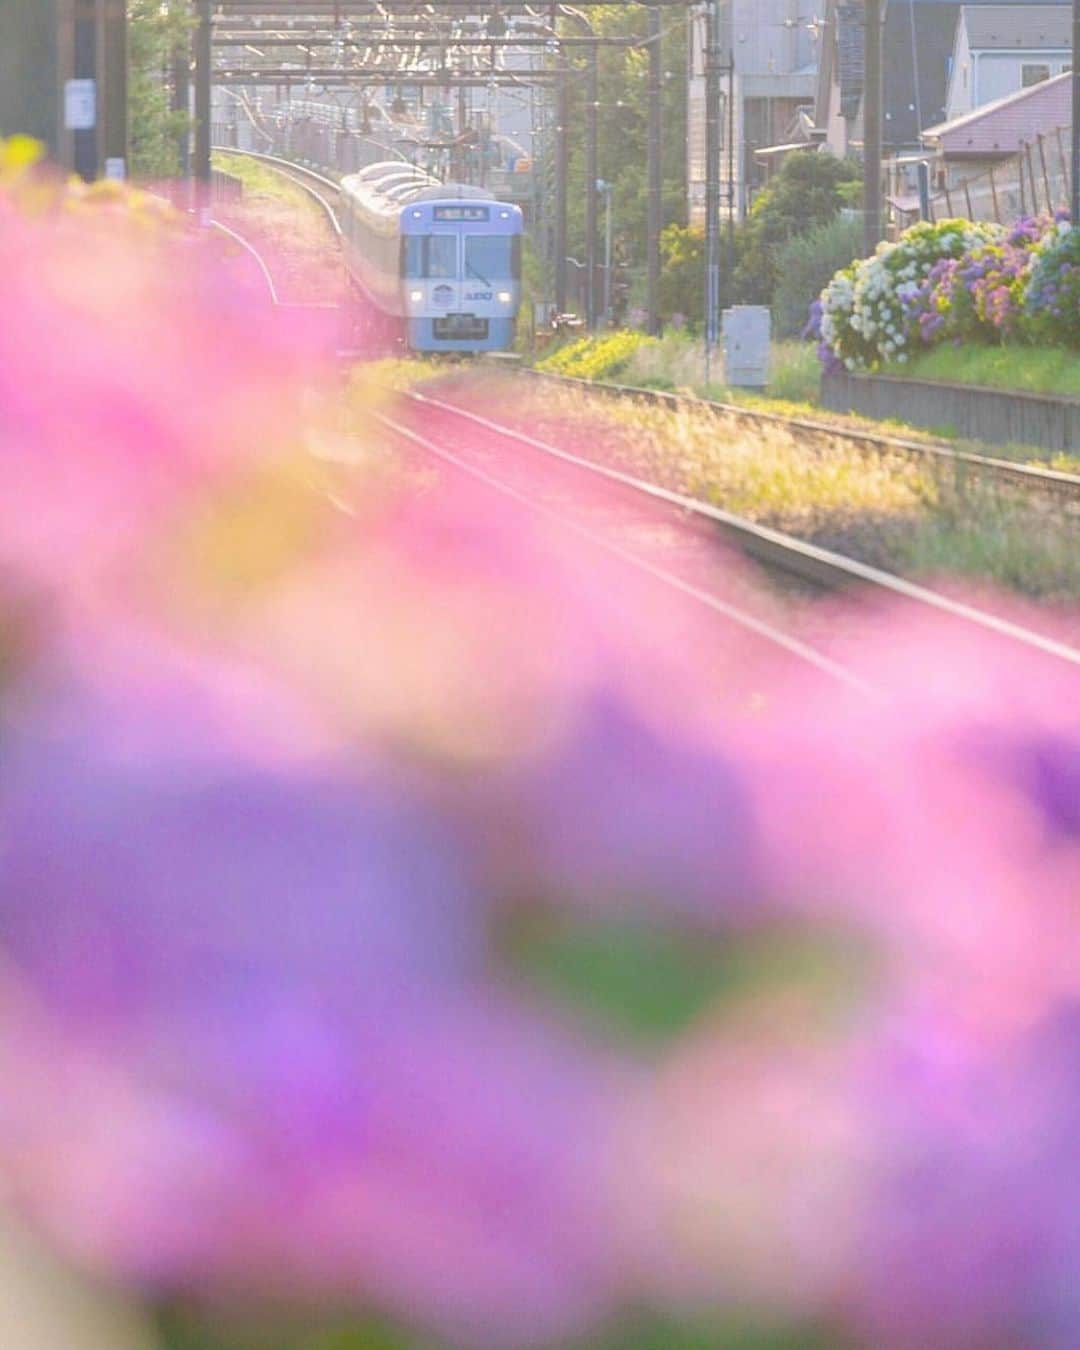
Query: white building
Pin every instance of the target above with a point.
(1001, 49)
(775, 45)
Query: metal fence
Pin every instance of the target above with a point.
(1032, 182)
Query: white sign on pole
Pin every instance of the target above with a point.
(80, 105)
(116, 168)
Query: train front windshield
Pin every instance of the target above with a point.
(430, 256)
(486, 257)
(492, 257)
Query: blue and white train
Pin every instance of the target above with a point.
(435, 265)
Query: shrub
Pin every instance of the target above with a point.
(804, 266)
(595, 358)
(1052, 298)
(980, 297)
(805, 193)
(871, 311)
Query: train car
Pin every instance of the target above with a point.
(437, 265)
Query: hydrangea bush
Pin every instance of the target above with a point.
(1052, 298)
(958, 281)
(872, 310)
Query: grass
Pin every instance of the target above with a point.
(676, 362)
(1033, 370)
(890, 511)
(289, 226)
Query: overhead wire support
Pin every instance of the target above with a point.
(203, 81)
(562, 166)
(654, 172)
(1074, 146)
(712, 180)
(873, 119)
(592, 174)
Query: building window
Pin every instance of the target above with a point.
(1033, 74)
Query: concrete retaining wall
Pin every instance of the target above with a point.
(998, 417)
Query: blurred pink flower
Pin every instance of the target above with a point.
(130, 375)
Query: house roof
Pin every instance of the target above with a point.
(919, 40)
(1018, 27)
(1001, 126)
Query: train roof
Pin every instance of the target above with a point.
(385, 187)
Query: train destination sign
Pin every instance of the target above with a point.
(461, 213)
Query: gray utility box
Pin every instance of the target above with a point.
(746, 335)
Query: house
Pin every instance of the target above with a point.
(1000, 49)
(768, 56)
(997, 131)
(1008, 158)
(919, 58)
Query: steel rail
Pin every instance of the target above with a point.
(296, 173)
(254, 253)
(781, 551)
(1055, 482)
(793, 646)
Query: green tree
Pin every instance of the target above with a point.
(157, 31)
(805, 266)
(622, 140)
(682, 278)
(807, 191)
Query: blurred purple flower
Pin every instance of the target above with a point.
(273, 1058)
(974, 1237)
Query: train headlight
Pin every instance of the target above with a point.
(416, 296)
(505, 297)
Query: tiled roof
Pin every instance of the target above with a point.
(1018, 27)
(1000, 127)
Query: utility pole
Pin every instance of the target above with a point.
(31, 84)
(712, 180)
(181, 102)
(873, 105)
(113, 84)
(461, 173)
(1074, 172)
(203, 103)
(91, 75)
(562, 155)
(655, 212)
(592, 95)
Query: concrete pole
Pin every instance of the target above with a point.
(112, 63)
(1074, 173)
(562, 132)
(655, 148)
(591, 173)
(203, 104)
(181, 102)
(712, 178)
(872, 126)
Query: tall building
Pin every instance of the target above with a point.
(768, 54)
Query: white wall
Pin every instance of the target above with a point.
(962, 79)
(1001, 73)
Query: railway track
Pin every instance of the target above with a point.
(1063, 487)
(774, 550)
(322, 189)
